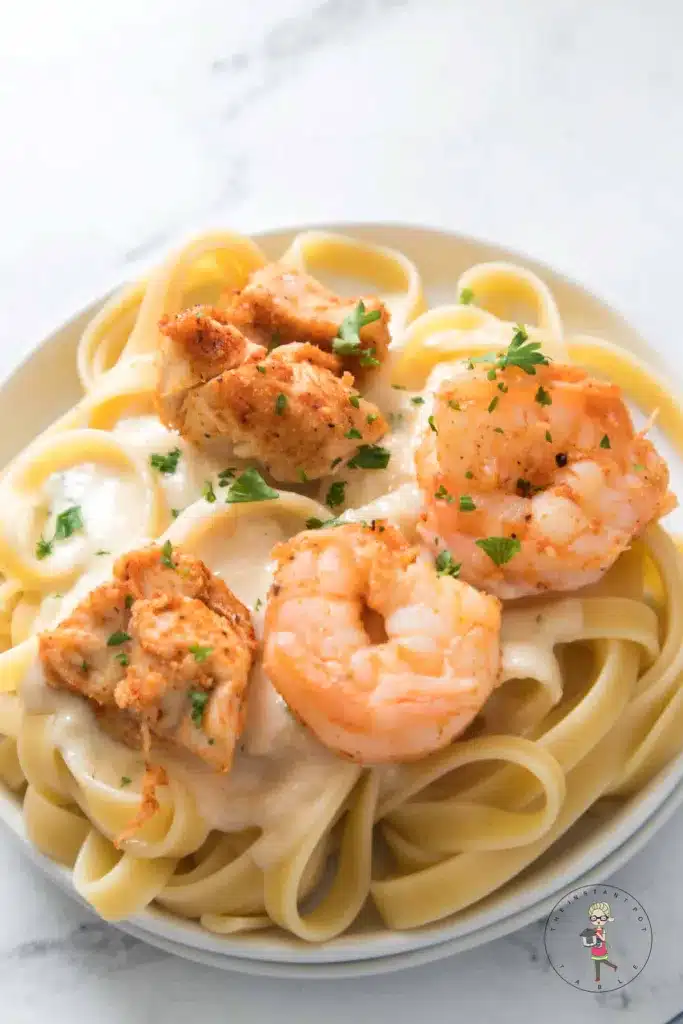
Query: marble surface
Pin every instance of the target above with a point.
(551, 127)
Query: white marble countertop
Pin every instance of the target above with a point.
(555, 128)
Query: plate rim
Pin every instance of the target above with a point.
(295, 957)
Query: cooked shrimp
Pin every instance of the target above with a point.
(535, 481)
(288, 305)
(166, 647)
(379, 656)
(294, 411)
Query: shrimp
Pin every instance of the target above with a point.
(379, 656)
(535, 480)
(163, 648)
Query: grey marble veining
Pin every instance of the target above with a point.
(553, 128)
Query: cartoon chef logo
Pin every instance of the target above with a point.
(598, 939)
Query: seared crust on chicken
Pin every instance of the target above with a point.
(293, 408)
(166, 648)
(293, 306)
(290, 411)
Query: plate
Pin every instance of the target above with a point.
(45, 385)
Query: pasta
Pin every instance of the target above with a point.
(590, 702)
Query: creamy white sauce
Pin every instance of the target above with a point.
(280, 771)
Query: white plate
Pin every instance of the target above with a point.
(46, 384)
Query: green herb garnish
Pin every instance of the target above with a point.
(605, 442)
(347, 342)
(432, 424)
(446, 566)
(500, 549)
(166, 555)
(336, 493)
(208, 492)
(353, 434)
(249, 486)
(466, 503)
(542, 396)
(165, 463)
(280, 404)
(370, 456)
(117, 638)
(466, 296)
(200, 653)
(198, 701)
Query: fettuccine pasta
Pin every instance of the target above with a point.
(589, 701)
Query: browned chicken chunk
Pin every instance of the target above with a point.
(292, 411)
(165, 648)
(295, 409)
(288, 305)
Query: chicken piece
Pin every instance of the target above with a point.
(294, 411)
(165, 646)
(198, 344)
(288, 305)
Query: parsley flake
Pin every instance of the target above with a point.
(166, 555)
(466, 503)
(198, 701)
(123, 658)
(452, 404)
(318, 524)
(446, 566)
(347, 342)
(443, 495)
(371, 417)
(335, 462)
(499, 549)
(639, 467)
(542, 396)
(249, 486)
(548, 437)
(165, 463)
(370, 456)
(469, 474)
(125, 781)
(417, 400)
(336, 494)
(466, 296)
(353, 434)
(200, 653)
(66, 524)
(258, 604)
(355, 401)
(208, 492)
(522, 353)
(43, 548)
(117, 638)
(260, 368)
(128, 601)
(303, 475)
(280, 404)
(432, 424)
(605, 442)
(493, 403)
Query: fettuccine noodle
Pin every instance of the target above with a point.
(590, 704)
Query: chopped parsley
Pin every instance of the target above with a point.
(638, 467)
(446, 566)
(336, 494)
(370, 456)
(503, 387)
(117, 638)
(303, 475)
(125, 781)
(200, 653)
(166, 555)
(417, 400)
(258, 604)
(522, 353)
(443, 495)
(318, 524)
(542, 396)
(354, 400)
(526, 488)
(43, 548)
(260, 368)
(85, 667)
(452, 404)
(249, 486)
(66, 524)
(498, 430)
(432, 424)
(128, 601)
(466, 296)
(225, 476)
(165, 463)
(469, 474)
(605, 442)
(491, 374)
(175, 512)
(499, 549)
(353, 434)
(371, 417)
(548, 437)
(466, 503)
(198, 702)
(123, 658)
(493, 403)
(208, 492)
(368, 357)
(335, 462)
(280, 404)
(347, 342)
